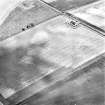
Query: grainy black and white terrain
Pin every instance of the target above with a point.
(52, 63)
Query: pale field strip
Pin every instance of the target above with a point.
(92, 13)
(84, 6)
